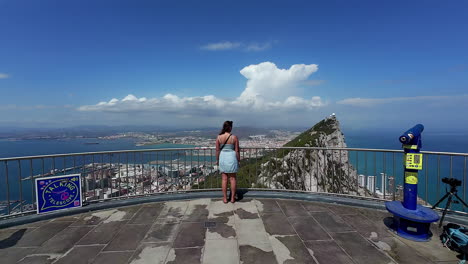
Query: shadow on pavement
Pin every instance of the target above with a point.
(13, 239)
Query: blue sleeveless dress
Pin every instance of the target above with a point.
(228, 160)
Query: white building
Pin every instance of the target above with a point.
(371, 183)
(361, 180)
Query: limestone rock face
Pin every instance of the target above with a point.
(318, 170)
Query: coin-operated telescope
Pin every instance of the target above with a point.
(411, 141)
(412, 221)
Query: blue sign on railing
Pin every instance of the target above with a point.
(57, 193)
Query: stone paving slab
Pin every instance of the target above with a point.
(292, 208)
(151, 253)
(89, 219)
(432, 249)
(243, 214)
(81, 255)
(221, 251)
(360, 250)
(315, 207)
(128, 238)
(253, 255)
(102, 234)
(251, 232)
(343, 210)
(267, 206)
(161, 233)
(190, 235)
(400, 252)
(197, 211)
(298, 253)
(72, 218)
(365, 226)
(246, 210)
(146, 215)
(64, 241)
(221, 231)
(277, 224)
(184, 255)
(374, 215)
(328, 252)
(331, 222)
(219, 211)
(129, 211)
(308, 229)
(38, 236)
(174, 209)
(209, 231)
(113, 257)
(163, 221)
(13, 255)
(37, 260)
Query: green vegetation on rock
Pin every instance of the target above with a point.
(272, 161)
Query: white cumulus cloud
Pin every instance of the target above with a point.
(368, 102)
(230, 45)
(268, 89)
(4, 76)
(224, 45)
(266, 82)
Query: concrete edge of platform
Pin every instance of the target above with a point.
(242, 193)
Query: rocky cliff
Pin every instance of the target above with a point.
(318, 170)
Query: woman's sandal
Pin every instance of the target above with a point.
(225, 201)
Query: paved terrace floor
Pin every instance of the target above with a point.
(209, 231)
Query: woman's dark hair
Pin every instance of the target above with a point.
(227, 127)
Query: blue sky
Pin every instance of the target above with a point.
(198, 63)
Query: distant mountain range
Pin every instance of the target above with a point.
(100, 131)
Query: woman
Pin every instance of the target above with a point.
(228, 157)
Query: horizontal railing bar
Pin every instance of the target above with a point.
(202, 148)
(94, 153)
(104, 175)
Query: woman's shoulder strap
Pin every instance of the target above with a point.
(233, 138)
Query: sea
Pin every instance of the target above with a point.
(430, 186)
(24, 190)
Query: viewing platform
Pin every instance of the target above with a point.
(255, 229)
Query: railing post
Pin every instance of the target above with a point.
(7, 188)
(20, 186)
(32, 181)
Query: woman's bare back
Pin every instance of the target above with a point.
(222, 138)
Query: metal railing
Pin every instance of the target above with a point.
(354, 172)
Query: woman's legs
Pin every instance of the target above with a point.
(224, 186)
(232, 179)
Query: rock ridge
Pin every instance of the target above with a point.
(312, 169)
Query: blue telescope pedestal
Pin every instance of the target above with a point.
(412, 221)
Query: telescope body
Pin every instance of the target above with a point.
(412, 136)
